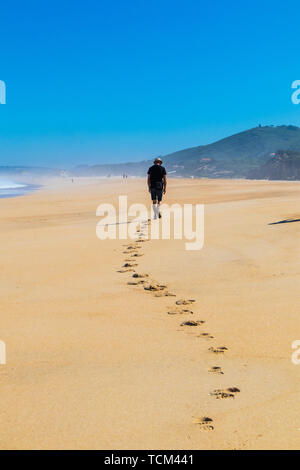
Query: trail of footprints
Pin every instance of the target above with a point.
(180, 308)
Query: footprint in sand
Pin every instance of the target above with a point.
(135, 283)
(129, 265)
(137, 255)
(219, 350)
(205, 335)
(192, 323)
(184, 301)
(155, 287)
(220, 393)
(216, 370)
(125, 270)
(165, 294)
(140, 275)
(183, 311)
(205, 423)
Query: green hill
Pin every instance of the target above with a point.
(284, 165)
(237, 156)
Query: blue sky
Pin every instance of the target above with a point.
(111, 81)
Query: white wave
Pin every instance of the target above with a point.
(4, 184)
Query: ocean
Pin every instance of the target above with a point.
(10, 188)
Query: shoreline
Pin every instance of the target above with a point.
(23, 190)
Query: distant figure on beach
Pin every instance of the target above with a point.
(157, 184)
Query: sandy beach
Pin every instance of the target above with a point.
(96, 363)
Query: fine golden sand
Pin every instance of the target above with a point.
(95, 362)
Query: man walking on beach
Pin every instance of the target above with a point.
(157, 184)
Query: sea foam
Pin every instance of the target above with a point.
(5, 184)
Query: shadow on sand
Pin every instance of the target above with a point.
(286, 221)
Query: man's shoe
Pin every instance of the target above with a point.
(159, 215)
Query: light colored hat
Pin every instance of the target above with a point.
(158, 160)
